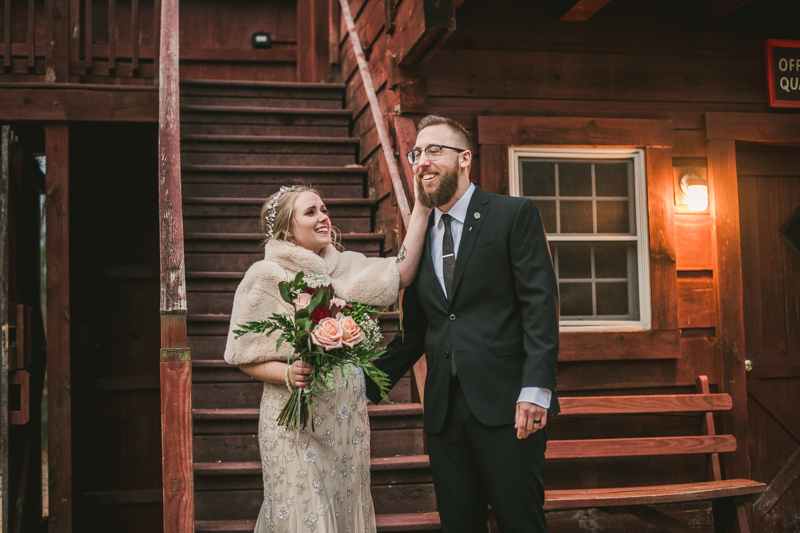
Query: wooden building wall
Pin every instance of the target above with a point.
(632, 60)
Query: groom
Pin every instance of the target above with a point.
(484, 311)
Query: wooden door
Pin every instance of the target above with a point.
(769, 198)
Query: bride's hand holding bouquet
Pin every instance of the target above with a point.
(327, 334)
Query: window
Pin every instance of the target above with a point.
(593, 204)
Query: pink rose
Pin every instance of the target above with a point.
(328, 334)
(337, 304)
(351, 332)
(302, 301)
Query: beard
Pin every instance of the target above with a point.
(444, 192)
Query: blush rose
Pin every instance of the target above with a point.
(328, 334)
(351, 332)
(302, 301)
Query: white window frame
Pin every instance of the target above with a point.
(637, 156)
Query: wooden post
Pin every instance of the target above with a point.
(4, 363)
(58, 39)
(724, 197)
(176, 370)
(59, 387)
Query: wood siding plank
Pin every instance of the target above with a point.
(57, 42)
(618, 345)
(693, 245)
(696, 301)
(755, 127)
(663, 257)
(79, 103)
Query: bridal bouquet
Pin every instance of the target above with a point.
(326, 332)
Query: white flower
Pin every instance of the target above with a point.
(310, 454)
(283, 511)
(266, 511)
(344, 411)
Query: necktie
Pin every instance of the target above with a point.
(448, 267)
(448, 257)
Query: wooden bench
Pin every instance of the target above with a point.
(727, 496)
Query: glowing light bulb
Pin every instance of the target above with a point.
(697, 197)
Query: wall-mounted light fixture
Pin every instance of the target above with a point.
(696, 190)
(691, 185)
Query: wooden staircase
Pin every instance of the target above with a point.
(240, 141)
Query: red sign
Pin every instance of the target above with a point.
(783, 72)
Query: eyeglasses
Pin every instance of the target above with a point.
(432, 152)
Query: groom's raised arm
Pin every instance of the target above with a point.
(407, 346)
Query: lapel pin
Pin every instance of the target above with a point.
(477, 215)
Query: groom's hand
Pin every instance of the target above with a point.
(530, 419)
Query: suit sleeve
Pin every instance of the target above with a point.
(537, 291)
(407, 346)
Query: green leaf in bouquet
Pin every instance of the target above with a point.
(298, 279)
(285, 291)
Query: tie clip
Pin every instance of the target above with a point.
(448, 255)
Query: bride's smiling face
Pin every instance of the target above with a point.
(311, 227)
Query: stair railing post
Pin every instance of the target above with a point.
(175, 365)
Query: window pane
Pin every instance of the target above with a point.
(576, 216)
(574, 261)
(612, 298)
(548, 212)
(611, 261)
(575, 179)
(538, 179)
(612, 217)
(576, 299)
(611, 179)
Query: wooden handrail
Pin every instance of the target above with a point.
(375, 107)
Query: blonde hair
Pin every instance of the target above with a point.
(277, 213)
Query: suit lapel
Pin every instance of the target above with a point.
(427, 264)
(473, 221)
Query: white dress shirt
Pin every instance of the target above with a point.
(458, 212)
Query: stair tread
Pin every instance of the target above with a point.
(254, 467)
(260, 201)
(395, 409)
(266, 84)
(266, 110)
(268, 138)
(260, 236)
(386, 523)
(355, 169)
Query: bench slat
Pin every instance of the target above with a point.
(661, 403)
(573, 449)
(582, 498)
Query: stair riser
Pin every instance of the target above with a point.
(298, 159)
(243, 504)
(264, 118)
(300, 94)
(297, 149)
(206, 302)
(249, 186)
(215, 128)
(221, 395)
(240, 262)
(243, 447)
(258, 100)
(253, 224)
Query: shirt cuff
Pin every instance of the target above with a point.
(535, 395)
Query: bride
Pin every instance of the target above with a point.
(313, 481)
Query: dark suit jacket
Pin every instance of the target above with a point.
(501, 322)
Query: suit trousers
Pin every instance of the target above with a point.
(474, 465)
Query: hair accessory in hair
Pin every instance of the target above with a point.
(271, 207)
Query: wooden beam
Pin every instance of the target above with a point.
(57, 42)
(755, 127)
(59, 386)
(778, 364)
(583, 10)
(426, 25)
(574, 131)
(775, 404)
(4, 321)
(779, 484)
(175, 366)
(72, 101)
(657, 518)
(719, 9)
(724, 198)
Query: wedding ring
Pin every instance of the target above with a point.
(537, 421)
